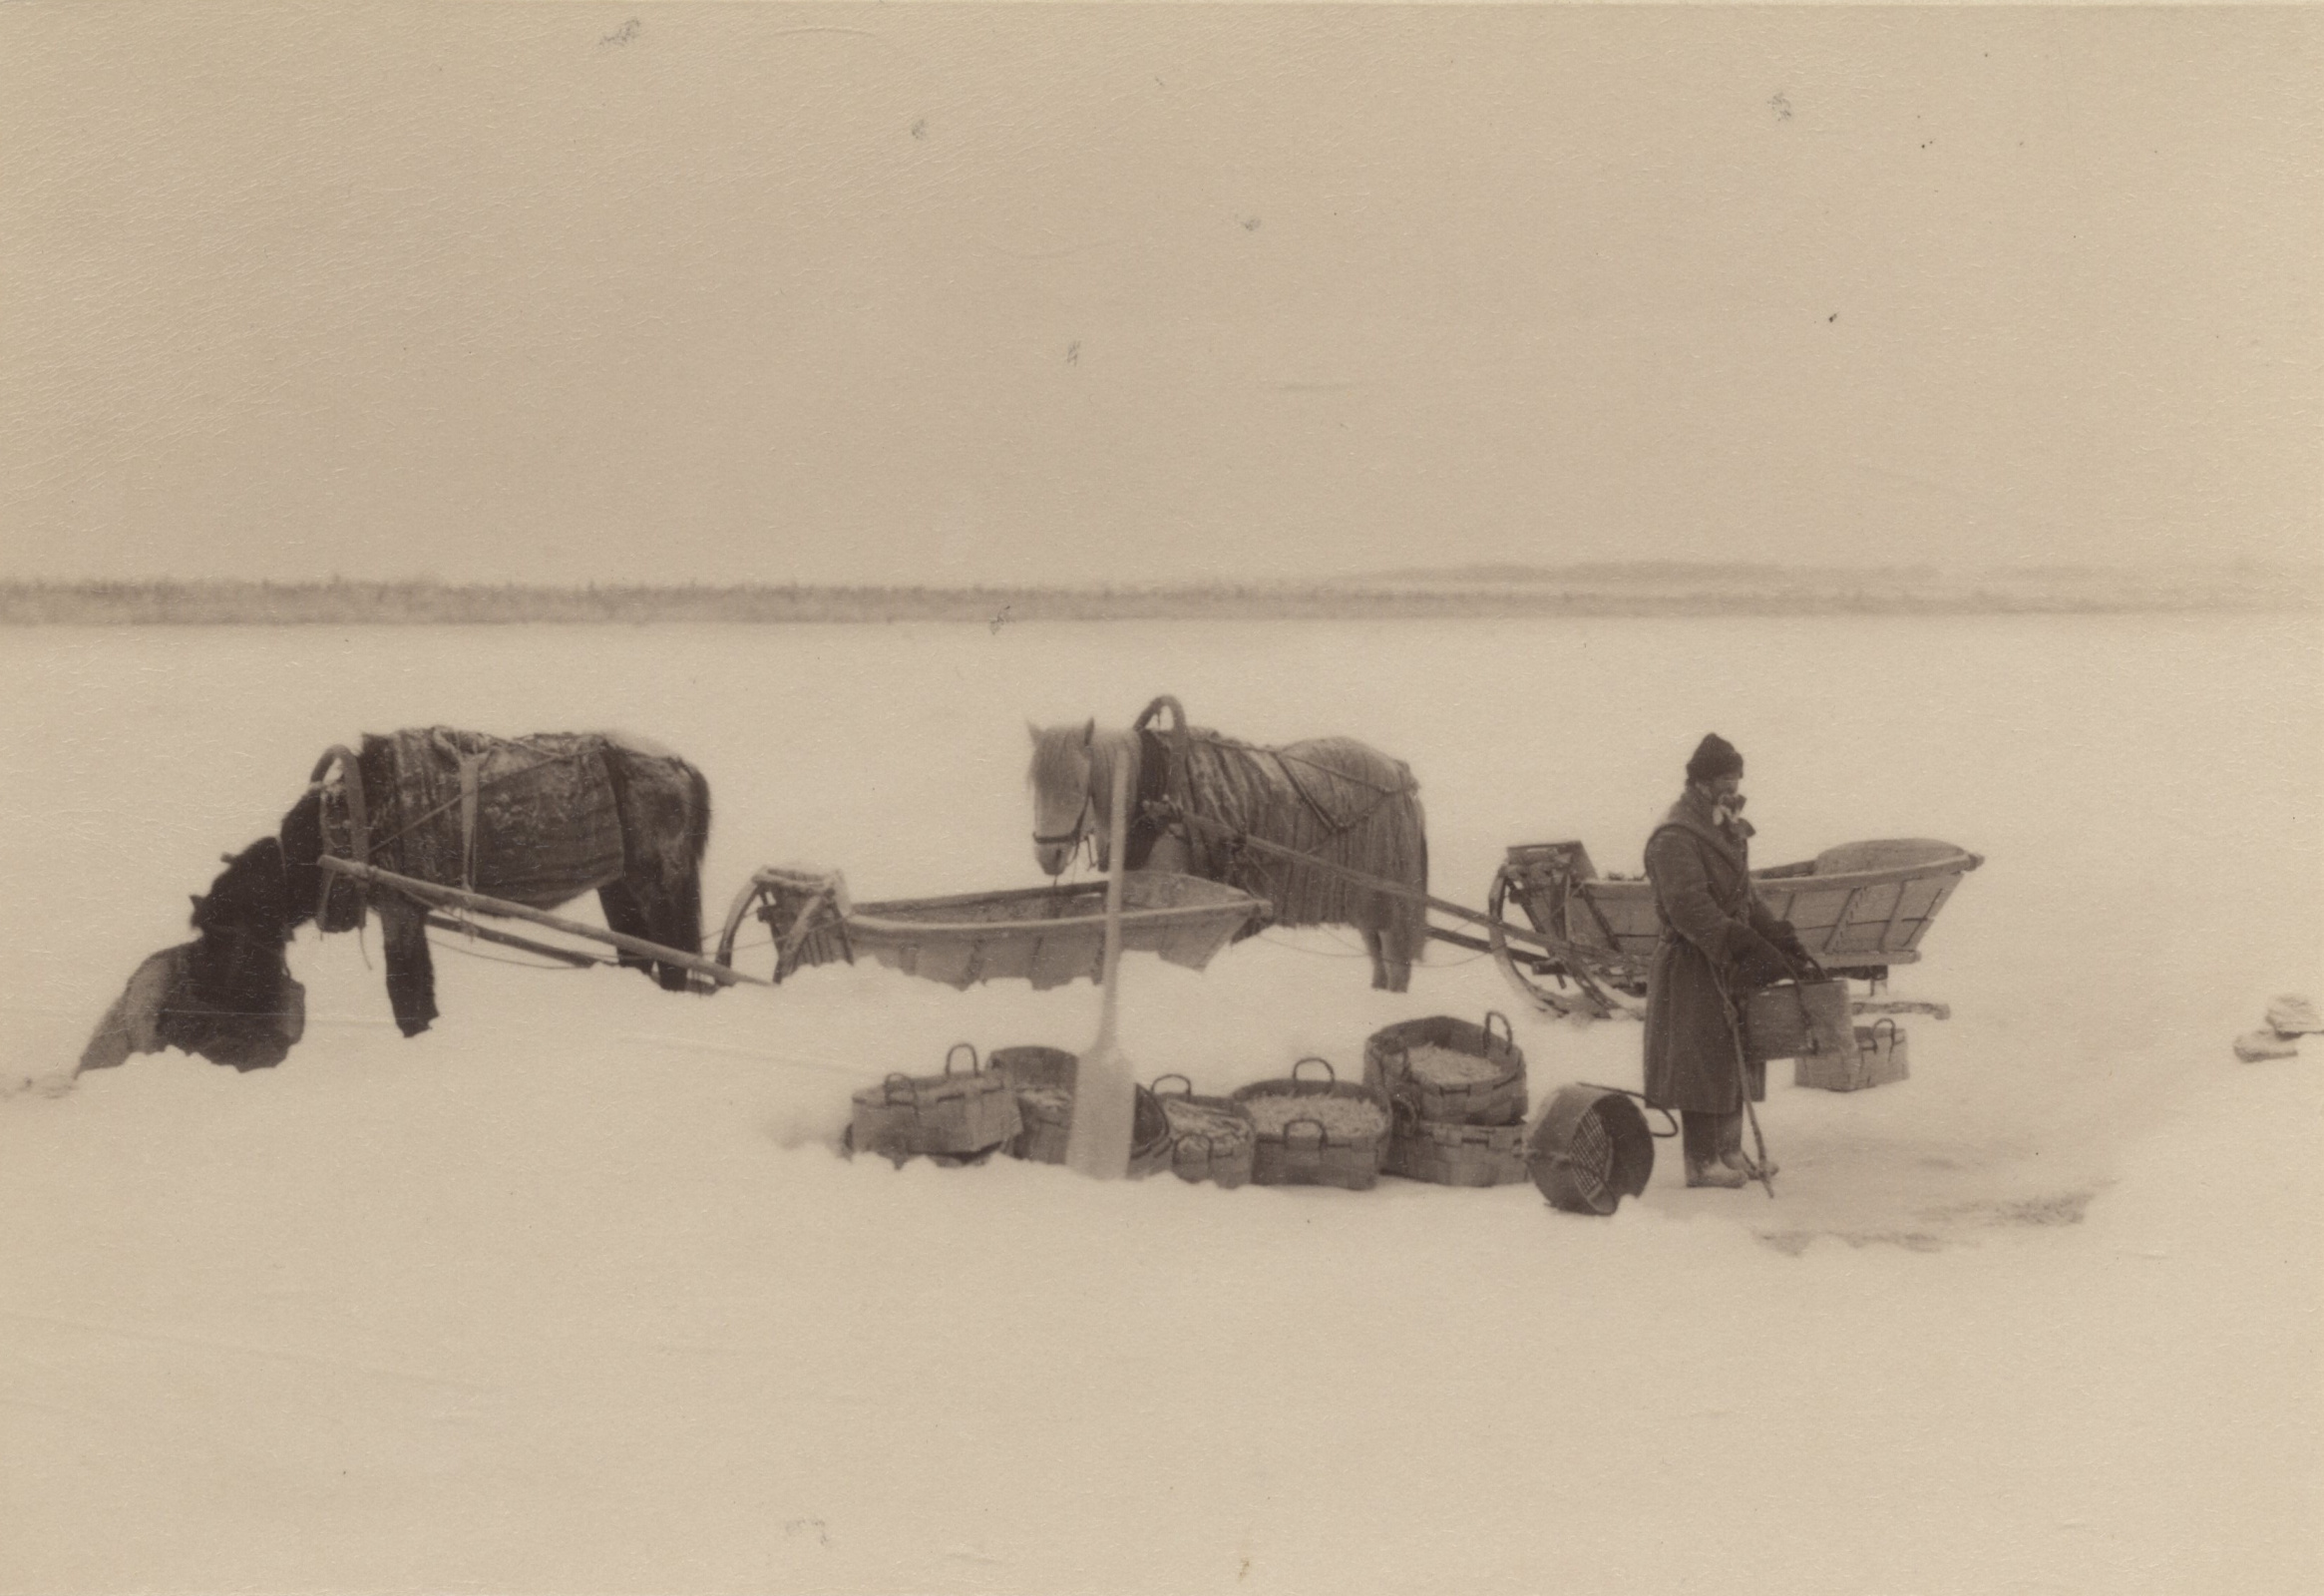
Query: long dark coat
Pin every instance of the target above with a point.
(1703, 899)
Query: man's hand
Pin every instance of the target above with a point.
(1787, 942)
(1758, 962)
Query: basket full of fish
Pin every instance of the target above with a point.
(1316, 1130)
(1211, 1138)
(1453, 1072)
(1043, 1079)
(1459, 1095)
(963, 1114)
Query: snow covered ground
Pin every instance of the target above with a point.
(574, 1293)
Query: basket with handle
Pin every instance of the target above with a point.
(1592, 1148)
(1317, 1131)
(956, 1114)
(1211, 1138)
(1799, 1019)
(1453, 1154)
(1878, 1060)
(1043, 1079)
(1453, 1072)
(1152, 1143)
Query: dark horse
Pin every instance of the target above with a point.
(536, 821)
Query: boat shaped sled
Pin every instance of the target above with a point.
(1048, 935)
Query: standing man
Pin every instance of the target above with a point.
(1716, 932)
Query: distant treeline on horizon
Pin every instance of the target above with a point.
(1483, 592)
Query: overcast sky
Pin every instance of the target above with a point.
(911, 293)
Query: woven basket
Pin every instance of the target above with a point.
(1455, 1155)
(1152, 1146)
(1038, 1075)
(1043, 1079)
(1496, 1101)
(1798, 1020)
(1048, 1125)
(1590, 1150)
(1196, 1155)
(956, 1115)
(1877, 1060)
(1305, 1153)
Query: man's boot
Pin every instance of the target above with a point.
(1730, 1149)
(1701, 1136)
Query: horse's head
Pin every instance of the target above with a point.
(302, 843)
(228, 995)
(234, 1000)
(251, 897)
(1063, 760)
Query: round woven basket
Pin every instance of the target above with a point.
(1497, 1098)
(1151, 1143)
(1306, 1153)
(1225, 1159)
(1044, 1080)
(1590, 1150)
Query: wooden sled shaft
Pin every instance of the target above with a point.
(430, 893)
(1549, 945)
(469, 928)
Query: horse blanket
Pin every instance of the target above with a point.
(533, 820)
(1332, 798)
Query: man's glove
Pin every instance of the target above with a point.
(1758, 962)
(1788, 942)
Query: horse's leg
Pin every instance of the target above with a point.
(1395, 959)
(637, 912)
(674, 909)
(665, 825)
(625, 915)
(1401, 940)
(411, 973)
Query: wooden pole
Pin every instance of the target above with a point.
(1104, 1091)
(1549, 945)
(468, 927)
(430, 892)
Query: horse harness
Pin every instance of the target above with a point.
(1156, 811)
(1167, 812)
(1150, 807)
(361, 847)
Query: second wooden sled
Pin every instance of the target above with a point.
(1859, 910)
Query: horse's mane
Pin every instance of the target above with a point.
(1057, 755)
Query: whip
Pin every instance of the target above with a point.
(1742, 1082)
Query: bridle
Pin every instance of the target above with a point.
(1079, 832)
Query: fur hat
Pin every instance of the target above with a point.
(1713, 757)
